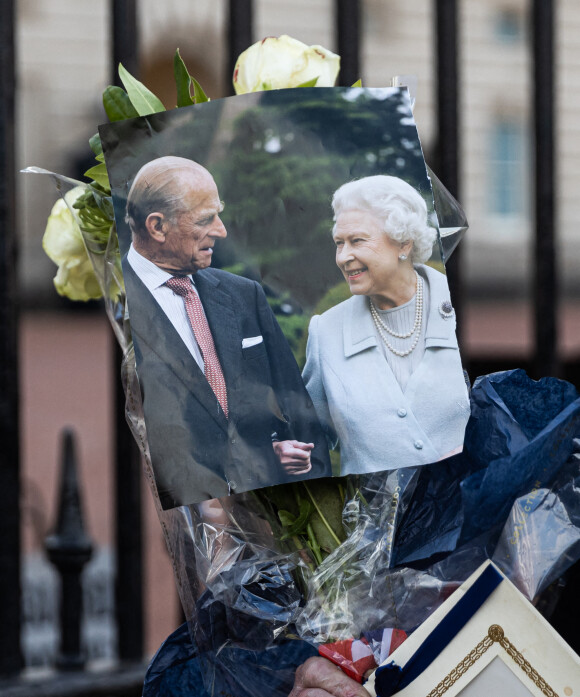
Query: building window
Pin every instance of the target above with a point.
(509, 25)
(508, 169)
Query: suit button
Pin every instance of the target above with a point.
(418, 444)
(401, 412)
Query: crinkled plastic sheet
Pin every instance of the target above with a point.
(414, 535)
(421, 532)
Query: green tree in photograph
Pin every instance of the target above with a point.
(286, 158)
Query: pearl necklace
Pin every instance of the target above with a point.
(380, 325)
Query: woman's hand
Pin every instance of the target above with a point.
(319, 677)
(294, 456)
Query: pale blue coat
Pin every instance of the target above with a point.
(359, 401)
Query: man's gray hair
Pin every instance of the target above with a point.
(400, 209)
(158, 187)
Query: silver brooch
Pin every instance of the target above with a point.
(446, 309)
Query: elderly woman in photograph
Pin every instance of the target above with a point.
(383, 367)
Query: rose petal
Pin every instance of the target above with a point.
(276, 63)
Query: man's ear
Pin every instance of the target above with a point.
(155, 224)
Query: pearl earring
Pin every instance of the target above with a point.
(402, 257)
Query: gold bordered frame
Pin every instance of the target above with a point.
(506, 640)
(495, 634)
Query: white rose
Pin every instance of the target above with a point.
(63, 243)
(275, 63)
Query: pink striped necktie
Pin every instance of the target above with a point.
(181, 285)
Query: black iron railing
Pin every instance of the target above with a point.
(10, 655)
(447, 147)
(127, 475)
(545, 290)
(347, 23)
(129, 595)
(240, 34)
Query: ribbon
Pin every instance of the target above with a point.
(392, 678)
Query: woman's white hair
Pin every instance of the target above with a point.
(399, 208)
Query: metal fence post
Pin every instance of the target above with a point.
(128, 503)
(348, 40)
(448, 123)
(10, 590)
(545, 281)
(240, 34)
(124, 36)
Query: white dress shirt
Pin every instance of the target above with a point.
(172, 304)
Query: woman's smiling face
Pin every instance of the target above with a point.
(366, 255)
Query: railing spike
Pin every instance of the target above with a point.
(69, 548)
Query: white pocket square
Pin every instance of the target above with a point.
(252, 341)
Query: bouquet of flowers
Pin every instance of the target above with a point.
(346, 566)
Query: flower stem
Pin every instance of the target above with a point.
(314, 546)
(326, 523)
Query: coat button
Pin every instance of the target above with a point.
(402, 412)
(233, 441)
(419, 444)
(233, 485)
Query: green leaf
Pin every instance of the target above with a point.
(358, 83)
(295, 526)
(198, 94)
(104, 203)
(99, 174)
(144, 101)
(309, 83)
(182, 81)
(286, 518)
(95, 143)
(117, 104)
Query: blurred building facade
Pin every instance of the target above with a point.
(63, 68)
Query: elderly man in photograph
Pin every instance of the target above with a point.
(225, 407)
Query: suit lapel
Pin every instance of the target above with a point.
(440, 331)
(358, 329)
(150, 326)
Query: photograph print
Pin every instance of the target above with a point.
(288, 303)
